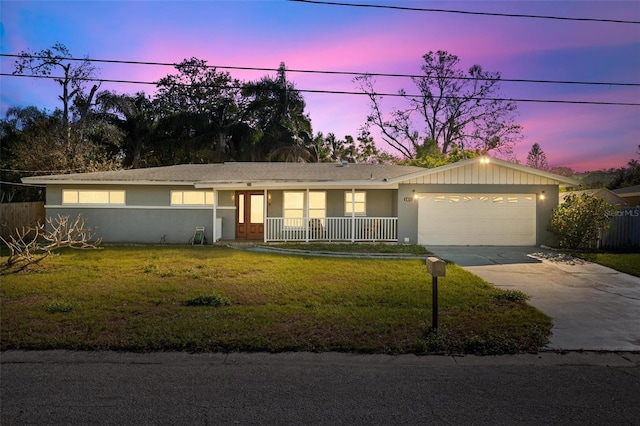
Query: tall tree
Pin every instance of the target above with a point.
(135, 115)
(73, 80)
(454, 109)
(276, 113)
(536, 158)
(199, 107)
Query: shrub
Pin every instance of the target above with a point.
(512, 295)
(579, 221)
(208, 300)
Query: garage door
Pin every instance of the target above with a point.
(477, 219)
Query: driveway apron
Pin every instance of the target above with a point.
(593, 307)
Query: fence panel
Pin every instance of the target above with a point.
(624, 231)
(18, 215)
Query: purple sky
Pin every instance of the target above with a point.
(335, 38)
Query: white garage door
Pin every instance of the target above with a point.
(477, 219)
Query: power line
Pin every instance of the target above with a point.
(466, 12)
(349, 73)
(342, 92)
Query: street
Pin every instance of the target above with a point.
(103, 388)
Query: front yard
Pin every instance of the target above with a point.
(221, 299)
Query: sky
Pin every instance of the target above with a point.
(307, 36)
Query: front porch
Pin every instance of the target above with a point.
(351, 229)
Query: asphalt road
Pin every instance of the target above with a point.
(104, 388)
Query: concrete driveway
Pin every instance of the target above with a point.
(593, 307)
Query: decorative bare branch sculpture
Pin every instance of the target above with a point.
(33, 244)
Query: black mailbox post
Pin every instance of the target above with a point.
(437, 268)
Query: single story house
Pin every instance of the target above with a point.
(480, 201)
(630, 193)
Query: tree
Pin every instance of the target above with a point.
(44, 62)
(626, 176)
(579, 221)
(199, 108)
(537, 158)
(136, 116)
(37, 141)
(456, 110)
(276, 113)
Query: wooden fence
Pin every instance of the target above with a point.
(18, 215)
(624, 232)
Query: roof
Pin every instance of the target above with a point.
(603, 193)
(230, 174)
(629, 191)
(482, 170)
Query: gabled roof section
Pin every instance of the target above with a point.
(241, 173)
(603, 193)
(629, 191)
(488, 170)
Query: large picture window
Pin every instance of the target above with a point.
(192, 198)
(355, 202)
(82, 196)
(294, 207)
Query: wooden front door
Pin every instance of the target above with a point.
(249, 215)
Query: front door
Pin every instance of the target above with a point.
(250, 215)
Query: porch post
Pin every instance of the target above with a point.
(306, 216)
(264, 217)
(215, 215)
(353, 215)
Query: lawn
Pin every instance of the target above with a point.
(624, 262)
(221, 299)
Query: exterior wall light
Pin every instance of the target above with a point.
(541, 196)
(484, 160)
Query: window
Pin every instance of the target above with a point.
(192, 198)
(75, 196)
(355, 202)
(293, 208)
(317, 205)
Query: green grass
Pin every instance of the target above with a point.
(142, 299)
(624, 262)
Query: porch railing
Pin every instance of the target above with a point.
(331, 229)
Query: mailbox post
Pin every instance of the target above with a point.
(437, 268)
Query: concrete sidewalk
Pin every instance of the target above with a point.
(593, 307)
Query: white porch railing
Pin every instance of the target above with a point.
(331, 229)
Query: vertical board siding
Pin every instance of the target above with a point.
(490, 174)
(624, 230)
(18, 215)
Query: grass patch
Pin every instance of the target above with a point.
(58, 307)
(354, 248)
(628, 263)
(138, 299)
(209, 300)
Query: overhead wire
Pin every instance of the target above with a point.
(466, 12)
(342, 92)
(348, 73)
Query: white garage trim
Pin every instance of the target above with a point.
(477, 219)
